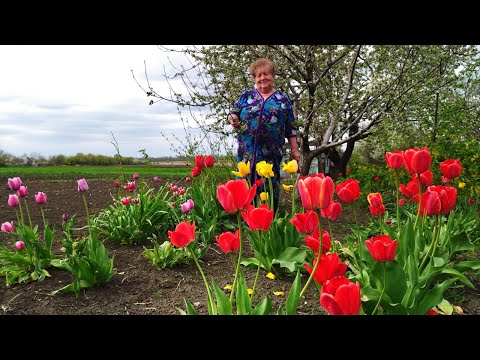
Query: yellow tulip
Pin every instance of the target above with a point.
(271, 276)
(264, 169)
(287, 187)
(278, 293)
(264, 196)
(291, 167)
(243, 169)
(461, 185)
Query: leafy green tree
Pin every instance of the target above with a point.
(341, 93)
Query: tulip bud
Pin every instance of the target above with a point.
(19, 245)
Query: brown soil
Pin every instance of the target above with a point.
(138, 287)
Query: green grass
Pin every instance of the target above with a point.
(90, 172)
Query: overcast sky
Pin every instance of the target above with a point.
(65, 99)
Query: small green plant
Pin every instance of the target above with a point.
(31, 257)
(133, 219)
(165, 255)
(86, 258)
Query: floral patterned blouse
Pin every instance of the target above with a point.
(264, 125)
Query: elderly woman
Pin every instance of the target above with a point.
(264, 118)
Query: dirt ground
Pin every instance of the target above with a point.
(138, 287)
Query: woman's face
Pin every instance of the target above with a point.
(264, 80)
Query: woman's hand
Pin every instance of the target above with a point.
(295, 154)
(233, 120)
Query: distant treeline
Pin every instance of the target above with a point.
(35, 159)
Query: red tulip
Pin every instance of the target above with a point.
(258, 218)
(420, 161)
(451, 168)
(470, 201)
(196, 171)
(333, 210)
(200, 162)
(229, 241)
(209, 161)
(438, 199)
(339, 296)
(348, 191)
(125, 201)
(426, 178)
(183, 235)
(316, 191)
(234, 195)
(410, 190)
(382, 248)
(401, 202)
(306, 223)
(375, 199)
(376, 210)
(330, 266)
(394, 160)
(431, 312)
(116, 184)
(313, 241)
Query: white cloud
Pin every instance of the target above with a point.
(64, 99)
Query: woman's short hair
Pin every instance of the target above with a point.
(262, 63)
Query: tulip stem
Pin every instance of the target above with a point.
(239, 257)
(43, 217)
(258, 269)
(21, 211)
(319, 257)
(398, 207)
(419, 207)
(433, 246)
(28, 213)
(383, 290)
(88, 215)
(209, 294)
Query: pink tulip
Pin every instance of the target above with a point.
(14, 183)
(82, 185)
(65, 217)
(22, 191)
(116, 184)
(155, 179)
(187, 206)
(19, 245)
(7, 227)
(40, 198)
(12, 200)
(136, 176)
(125, 201)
